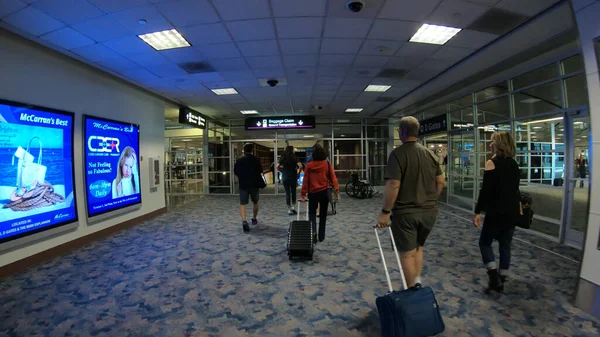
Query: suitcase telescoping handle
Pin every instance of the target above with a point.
(298, 213)
(387, 273)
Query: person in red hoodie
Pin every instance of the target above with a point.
(318, 178)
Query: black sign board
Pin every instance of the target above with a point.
(433, 125)
(193, 118)
(280, 122)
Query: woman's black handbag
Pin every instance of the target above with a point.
(526, 219)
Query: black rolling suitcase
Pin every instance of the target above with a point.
(300, 243)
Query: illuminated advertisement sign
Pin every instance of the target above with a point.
(111, 165)
(193, 118)
(289, 122)
(36, 160)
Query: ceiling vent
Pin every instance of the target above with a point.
(392, 73)
(197, 67)
(497, 21)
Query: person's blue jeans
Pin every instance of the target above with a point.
(290, 191)
(503, 234)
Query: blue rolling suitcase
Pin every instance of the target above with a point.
(410, 312)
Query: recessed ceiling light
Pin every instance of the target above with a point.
(538, 127)
(343, 121)
(225, 91)
(186, 140)
(249, 112)
(142, 22)
(354, 110)
(583, 136)
(544, 120)
(531, 100)
(434, 34)
(167, 39)
(308, 136)
(378, 88)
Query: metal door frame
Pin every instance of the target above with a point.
(566, 234)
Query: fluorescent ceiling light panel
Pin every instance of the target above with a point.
(225, 91)
(378, 88)
(544, 120)
(167, 39)
(249, 112)
(308, 136)
(531, 100)
(354, 110)
(434, 34)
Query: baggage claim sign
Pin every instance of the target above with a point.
(280, 122)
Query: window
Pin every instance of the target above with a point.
(573, 64)
(493, 111)
(576, 89)
(536, 76)
(493, 91)
(537, 100)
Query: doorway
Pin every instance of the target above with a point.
(438, 144)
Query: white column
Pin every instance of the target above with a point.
(588, 291)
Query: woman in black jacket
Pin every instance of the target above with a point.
(499, 199)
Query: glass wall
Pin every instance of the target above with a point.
(184, 166)
(539, 108)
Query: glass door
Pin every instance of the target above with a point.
(577, 181)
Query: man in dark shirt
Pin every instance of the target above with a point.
(414, 181)
(248, 170)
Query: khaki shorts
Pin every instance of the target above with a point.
(411, 230)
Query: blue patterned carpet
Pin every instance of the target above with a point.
(192, 272)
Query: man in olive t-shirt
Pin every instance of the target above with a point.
(414, 181)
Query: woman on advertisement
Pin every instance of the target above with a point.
(126, 183)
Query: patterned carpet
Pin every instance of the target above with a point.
(192, 272)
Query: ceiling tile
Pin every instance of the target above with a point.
(10, 6)
(33, 21)
(69, 11)
(295, 28)
(404, 62)
(365, 72)
(259, 48)
(408, 10)
(471, 39)
(111, 6)
(245, 83)
(329, 80)
(337, 8)
(370, 61)
(283, 8)
(183, 55)
(102, 29)
(393, 30)
(217, 85)
(140, 75)
(168, 70)
(349, 28)
(327, 87)
(68, 38)
(129, 19)
(301, 71)
(119, 64)
(454, 54)
(205, 34)
(184, 13)
(456, 13)
(264, 62)
(420, 74)
(233, 64)
(148, 59)
(355, 86)
(220, 51)
(128, 45)
(299, 46)
(336, 60)
(380, 47)
(242, 9)
(324, 93)
(301, 60)
(275, 72)
(411, 49)
(237, 75)
(356, 81)
(333, 71)
(206, 77)
(437, 65)
(529, 8)
(95, 53)
(262, 29)
(340, 46)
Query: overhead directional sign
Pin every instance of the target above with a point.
(433, 125)
(280, 122)
(193, 118)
